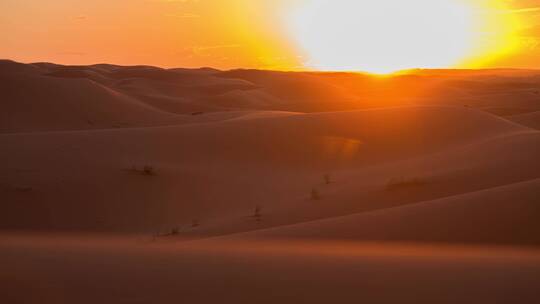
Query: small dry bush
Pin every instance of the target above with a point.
(146, 170)
(315, 195)
(403, 182)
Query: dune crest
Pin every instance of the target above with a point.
(148, 185)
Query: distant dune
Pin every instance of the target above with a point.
(148, 185)
(49, 97)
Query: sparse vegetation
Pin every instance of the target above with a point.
(327, 179)
(146, 170)
(257, 214)
(402, 182)
(175, 231)
(315, 195)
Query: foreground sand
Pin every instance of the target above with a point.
(145, 185)
(64, 270)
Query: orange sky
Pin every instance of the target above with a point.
(191, 33)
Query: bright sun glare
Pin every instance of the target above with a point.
(383, 36)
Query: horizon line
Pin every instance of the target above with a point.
(300, 70)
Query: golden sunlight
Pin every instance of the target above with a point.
(383, 36)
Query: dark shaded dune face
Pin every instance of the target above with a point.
(508, 112)
(178, 105)
(357, 189)
(245, 99)
(531, 120)
(70, 73)
(219, 171)
(98, 76)
(145, 72)
(207, 71)
(217, 147)
(40, 103)
(285, 82)
(216, 87)
(502, 215)
(187, 94)
(177, 93)
(11, 67)
(299, 91)
(147, 185)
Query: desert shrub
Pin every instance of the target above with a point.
(315, 195)
(327, 179)
(257, 214)
(402, 182)
(175, 231)
(148, 170)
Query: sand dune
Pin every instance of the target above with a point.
(531, 120)
(215, 162)
(137, 96)
(41, 103)
(138, 184)
(498, 215)
(114, 271)
(396, 184)
(203, 169)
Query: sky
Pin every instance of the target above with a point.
(372, 35)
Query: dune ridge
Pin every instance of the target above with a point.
(110, 96)
(138, 184)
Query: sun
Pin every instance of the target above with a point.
(383, 36)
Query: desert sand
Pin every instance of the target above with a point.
(147, 185)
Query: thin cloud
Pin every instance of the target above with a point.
(524, 10)
(183, 16)
(79, 18)
(173, 1)
(203, 50)
(72, 53)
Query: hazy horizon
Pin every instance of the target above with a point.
(376, 36)
(270, 151)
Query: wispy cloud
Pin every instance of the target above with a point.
(205, 50)
(202, 50)
(72, 53)
(79, 18)
(523, 10)
(173, 1)
(184, 15)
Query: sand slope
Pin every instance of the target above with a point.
(507, 214)
(531, 120)
(224, 169)
(115, 271)
(138, 184)
(33, 103)
(50, 97)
